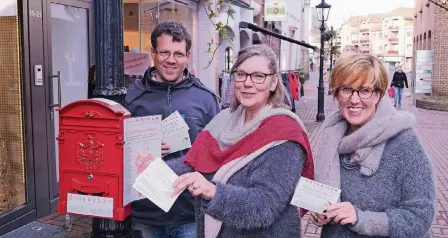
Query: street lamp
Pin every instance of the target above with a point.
(323, 10)
(331, 49)
(331, 54)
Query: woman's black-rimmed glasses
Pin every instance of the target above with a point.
(255, 77)
(363, 92)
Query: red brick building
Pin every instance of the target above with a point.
(431, 33)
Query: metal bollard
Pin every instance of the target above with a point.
(68, 222)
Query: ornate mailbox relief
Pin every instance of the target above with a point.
(90, 152)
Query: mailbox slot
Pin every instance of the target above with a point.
(107, 185)
(86, 122)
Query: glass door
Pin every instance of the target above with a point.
(69, 39)
(17, 178)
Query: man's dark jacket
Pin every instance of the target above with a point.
(198, 105)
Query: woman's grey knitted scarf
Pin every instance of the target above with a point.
(366, 144)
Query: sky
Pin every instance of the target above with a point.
(341, 10)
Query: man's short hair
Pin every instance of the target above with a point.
(173, 29)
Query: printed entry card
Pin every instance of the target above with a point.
(142, 137)
(175, 132)
(314, 196)
(156, 184)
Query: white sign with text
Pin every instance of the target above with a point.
(90, 205)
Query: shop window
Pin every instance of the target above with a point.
(228, 58)
(12, 161)
(140, 18)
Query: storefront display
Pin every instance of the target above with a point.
(12, 161)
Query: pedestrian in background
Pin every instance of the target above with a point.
(165, 88)
(254, 152)
(398, 82)
(373, 155)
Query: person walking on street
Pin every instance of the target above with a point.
(373, 154)
(165, 88)
(398, 82)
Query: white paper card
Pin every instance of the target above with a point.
(179, 141)
(314, 196)
(143, 138)
(173, 121)
(175, 132)
(90, 205)
(156, 184)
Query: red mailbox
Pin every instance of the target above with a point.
(91, 144)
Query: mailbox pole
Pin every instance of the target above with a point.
(109, 52)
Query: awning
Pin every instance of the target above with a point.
(257, 28)
(241, 3)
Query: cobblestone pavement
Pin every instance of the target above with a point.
(431, 126)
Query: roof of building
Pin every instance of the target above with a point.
(375, 18)
(404, 12)
(407, 13)
(356, 20)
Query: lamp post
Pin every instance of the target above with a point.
(331, 54)
(323, 10)
(331, 49)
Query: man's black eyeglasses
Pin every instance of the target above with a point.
(167, 54)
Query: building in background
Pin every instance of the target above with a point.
(314, 35)
(431, 33)
(295, 26)
(397, 35)
(388, 36)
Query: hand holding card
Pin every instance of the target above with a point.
(156, 184)
(314, 196)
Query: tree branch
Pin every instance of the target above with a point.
(220, 28)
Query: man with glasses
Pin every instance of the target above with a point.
(165, 88)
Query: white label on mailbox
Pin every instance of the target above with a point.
(90, 205)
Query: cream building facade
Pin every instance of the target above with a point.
(388, 36)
